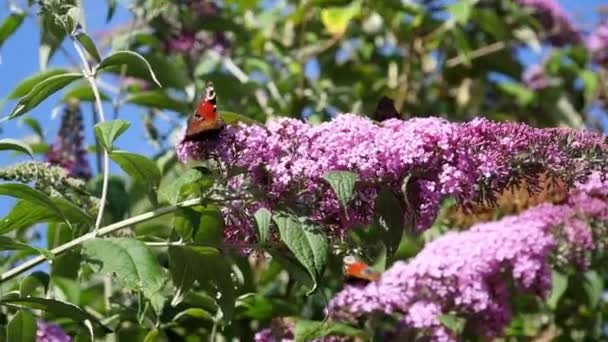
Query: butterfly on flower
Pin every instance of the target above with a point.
(386, 110)
(205, 121)
(358, 271)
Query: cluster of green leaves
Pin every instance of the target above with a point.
(157, 269)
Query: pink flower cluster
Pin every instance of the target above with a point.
(48, 332)
(597, 43)
(465, 272)
(555, 20)
(287, 158)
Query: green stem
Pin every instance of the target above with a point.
(101, 232)
(106, 158)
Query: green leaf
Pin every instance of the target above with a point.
(594, 287)
(25, 86)
(233, 118)
(173, 191)
(131, 262)
(461, 11)
(158, 99)
(197, 313)
(307, 242)
(262, 221)
(41, 91)
(72, 212)
(262, 307)
(25, 214)
(138, 167)
(336, 19)
(111, 9)
(22, 328)
(209, 267)
(559, 285)
(128, 58)
(51, 37)
(89, 45)
(453, 322)
(83, 92)
(389, 217)
(34, 125)
(343, 184)
(10, 25)
(10, 244)
(108, 131)
(306, 330)
(33, 281)
(58, 308)
(26, 193)
(590, 83)
(523, 95)
(16, 145)
(152, 335)
(210, 230)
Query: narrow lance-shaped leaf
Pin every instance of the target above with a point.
(306, 242)
(16, 145)
(22, 328)
(389, 217)
(128, 58)
(89, 45)
(108, 131)
(10, 25)
(27, 84)
(26, 193)
(10, 244)
(58, 308)
(41, 91)
(262, 220)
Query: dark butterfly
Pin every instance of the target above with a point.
(386, 110)
(205, 120)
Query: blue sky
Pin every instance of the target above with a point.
(20, 59)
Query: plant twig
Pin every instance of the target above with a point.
(106, 159)
(100, 232)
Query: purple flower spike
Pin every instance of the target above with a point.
(48, 332)
(465, 272)
(555, 20)
(472, 162)
(68, 150)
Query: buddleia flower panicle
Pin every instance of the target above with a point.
(472, 162)
(68, 150)
(464, 273)
(49, 332)
(597, 43)
(52, 180)
(555, 20)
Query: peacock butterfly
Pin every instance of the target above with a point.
(386, 110)
(205, 121)
(357, 271)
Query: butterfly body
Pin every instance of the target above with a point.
(205, 121)
(386, 110)
(357, 271)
